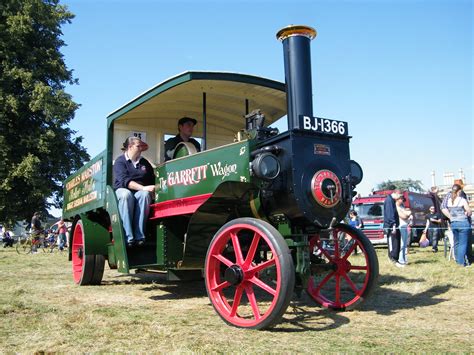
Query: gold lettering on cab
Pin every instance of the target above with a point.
(81, 189)
(183, 177)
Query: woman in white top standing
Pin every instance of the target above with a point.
(404, 215)
(458, 211)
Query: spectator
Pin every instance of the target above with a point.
(61, 233)
(36, 223)
(7, 239)
(433, 228)
(391, 221)
(35, 230)
(404, 220)
(458, 211)
(354, 220)
(444, 205)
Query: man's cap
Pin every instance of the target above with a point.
(130, 139)
(185, 119)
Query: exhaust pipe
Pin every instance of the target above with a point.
(297, 55)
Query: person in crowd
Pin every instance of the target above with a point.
(458, 211)
(354, 220)
(35, 224)
(444, 205)
(185, 131)
(35, 229)
(7, 239)
(134, 184)
(391, 222)
(404, 215)
(61, 233)
(433, 228)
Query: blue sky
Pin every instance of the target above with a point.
(399, 72)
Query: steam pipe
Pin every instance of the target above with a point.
(297, 56)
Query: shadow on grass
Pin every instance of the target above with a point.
(178, 290)
(158, 282)
(383, 301)
(386, 301)
(299, 319)
(424, 261)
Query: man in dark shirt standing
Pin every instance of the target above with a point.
(185, 131)
(391, 221)
(134, 184)
(36, 223)
(433, 228)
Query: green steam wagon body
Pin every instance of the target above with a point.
(257, 213)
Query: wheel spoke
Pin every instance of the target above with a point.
(357, 267)
(324, 251)
(221, 286)
(336, 244)
(349, 252)
(262, 266)
(256, 281)
(239, 259)
(324, 281)
(351, 284)
(338, 289)
(223, 260)
(253, 302)
(237, 297)
(252, 250)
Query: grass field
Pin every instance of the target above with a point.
(426, 307)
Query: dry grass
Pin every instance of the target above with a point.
(425, 307)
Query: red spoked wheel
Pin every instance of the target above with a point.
(250, 274)
(344, 268)
(86, 269)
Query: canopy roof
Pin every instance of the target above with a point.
(228, 96)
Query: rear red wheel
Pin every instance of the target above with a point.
(344, 268)
(86, 269)
(249, 274)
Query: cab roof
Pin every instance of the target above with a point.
(228, 97)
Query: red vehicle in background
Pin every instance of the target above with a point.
(370, 211)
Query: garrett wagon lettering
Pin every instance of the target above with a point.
(185, 177)
(223, 170)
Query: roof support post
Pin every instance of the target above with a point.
(204, 122)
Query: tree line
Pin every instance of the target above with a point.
(38, 150)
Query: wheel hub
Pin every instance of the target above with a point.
(343, 266)
(234, 275)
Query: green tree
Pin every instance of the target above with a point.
(38, 151)
(405, 185)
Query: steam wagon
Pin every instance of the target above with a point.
(257, 213)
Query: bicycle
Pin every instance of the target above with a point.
(31, 242)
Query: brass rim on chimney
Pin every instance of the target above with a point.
(296, 30)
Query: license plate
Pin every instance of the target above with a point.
(323, 125)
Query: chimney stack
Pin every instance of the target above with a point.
(297, 55)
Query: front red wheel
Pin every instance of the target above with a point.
(344, 268)
(249, 274)
(86, 269)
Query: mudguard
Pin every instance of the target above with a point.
(96, 236)
(118, 250)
